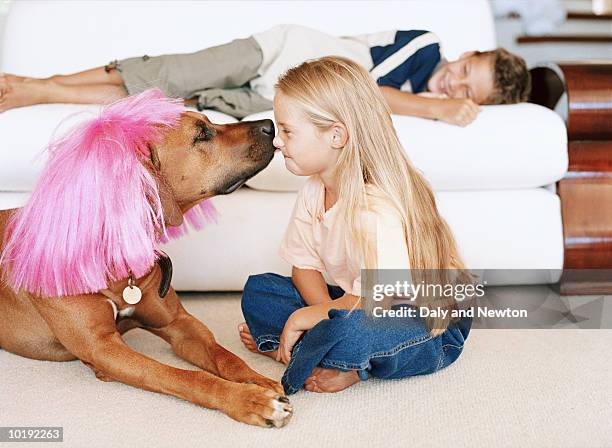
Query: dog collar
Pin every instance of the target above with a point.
(132, 293)
(165, 264)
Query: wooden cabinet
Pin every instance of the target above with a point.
(586, 189)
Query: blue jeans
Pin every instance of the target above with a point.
(383, 347)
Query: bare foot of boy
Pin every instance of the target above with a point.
(4, 85)
(17, 91)
(330, 380)
(247, 339)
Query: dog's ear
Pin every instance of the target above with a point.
(173, 216)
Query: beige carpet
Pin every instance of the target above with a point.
(510, 388)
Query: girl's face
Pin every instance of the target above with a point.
(307, 149)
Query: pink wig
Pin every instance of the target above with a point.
(95, 214)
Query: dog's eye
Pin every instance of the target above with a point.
(204, 135)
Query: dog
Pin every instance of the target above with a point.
(75, 257)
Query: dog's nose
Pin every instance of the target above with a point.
(267, 127)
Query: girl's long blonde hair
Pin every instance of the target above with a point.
(335, 89)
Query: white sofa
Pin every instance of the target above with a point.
(494, 180)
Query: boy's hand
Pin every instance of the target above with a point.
(288, 338)
(432, 95)
(458, 111)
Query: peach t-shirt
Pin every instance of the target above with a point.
(315, 238)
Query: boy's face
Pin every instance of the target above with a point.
(470, 76)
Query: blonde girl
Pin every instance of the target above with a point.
(363, 206)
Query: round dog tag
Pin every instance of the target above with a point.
(132, 294)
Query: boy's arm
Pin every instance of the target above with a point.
(311, 285)
(458, 111)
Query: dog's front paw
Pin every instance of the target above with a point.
(267, 383)
(256, 405)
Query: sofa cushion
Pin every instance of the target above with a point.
(507, 229)
(484, 155)
(506, 147)
(27, 131)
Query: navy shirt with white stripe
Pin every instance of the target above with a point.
(404, 60)
(397, 58)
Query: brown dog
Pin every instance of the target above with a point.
(195, 161)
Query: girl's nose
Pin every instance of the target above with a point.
(278, 142)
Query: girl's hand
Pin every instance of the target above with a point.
(306, 318)
(288, 338)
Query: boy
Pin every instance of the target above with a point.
(238, 78)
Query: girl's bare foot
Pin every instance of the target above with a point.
(330, 380)
(17, 91)
(247, 339)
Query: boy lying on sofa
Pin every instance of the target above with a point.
(237, 78)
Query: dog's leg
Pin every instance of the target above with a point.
(86, 327)
(193, 341)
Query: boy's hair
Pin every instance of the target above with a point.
(512, 81)
(335, 89)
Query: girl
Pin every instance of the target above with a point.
(364, 205)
